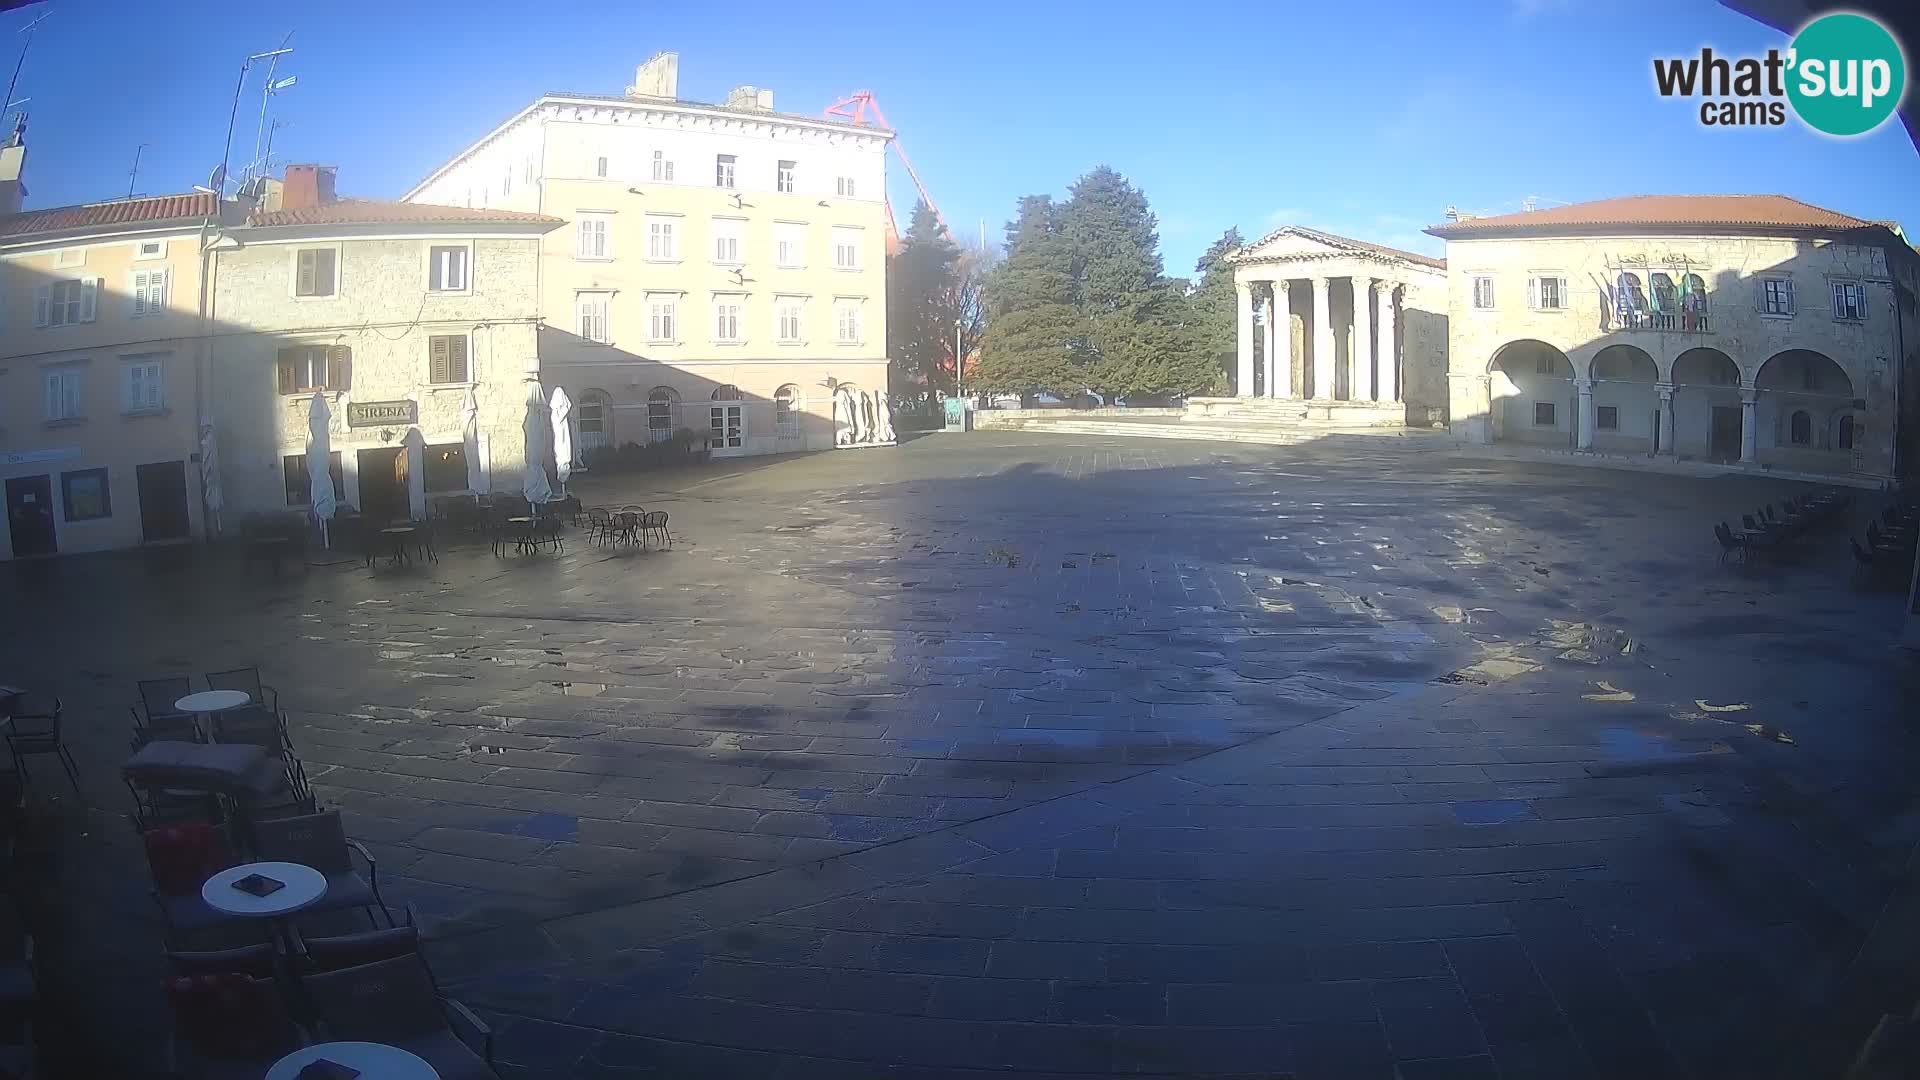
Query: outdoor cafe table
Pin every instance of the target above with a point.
(301, 887)
(376, 1061)
(207, 702)
(399, 536)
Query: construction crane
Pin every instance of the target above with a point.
(855, 109)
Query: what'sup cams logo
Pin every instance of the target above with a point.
(1843, 74)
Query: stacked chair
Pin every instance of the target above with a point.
(1771, 533)
(1886, 559)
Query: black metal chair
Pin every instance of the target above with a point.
(654, 522)
(1730, 544)
(35, 729)
(156, 717)
(395, 1002)
(337, 951)
(320, 841)
(247, 681)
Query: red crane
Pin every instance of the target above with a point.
(855, 110)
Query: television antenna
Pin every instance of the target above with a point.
(233, 113)
(134, 176)
(270, 88)
(20, 63)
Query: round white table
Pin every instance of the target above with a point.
(376, 1061)
(213, 701)
(304, 887)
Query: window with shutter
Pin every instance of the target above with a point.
(42, 301)
(305, 368)
(447, 268)
(314, 272)
(144, 385)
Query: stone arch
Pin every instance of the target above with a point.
(1626, 409)
(1531, 395)
(1804, 372)
(1708, 414)
(663, 406)
(788, 405)
(1799, 398)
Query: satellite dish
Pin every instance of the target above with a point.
(218, 180)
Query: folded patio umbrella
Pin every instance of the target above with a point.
(562, 415)
(539, 442)
(470, 439)
(320, 498)
(210, 492)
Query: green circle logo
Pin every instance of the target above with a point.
(1846, 74)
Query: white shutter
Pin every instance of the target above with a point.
(42, 298)
(53, 396)
(1533, 292)
(89, 290)
(139, 293)
(136, 386)
(153, 385)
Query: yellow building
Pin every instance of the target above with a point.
(722, 269)
(100, 340)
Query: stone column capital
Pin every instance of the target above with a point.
(1583, 384)
(1749, 395)
(1664, 389)
(1245, 287)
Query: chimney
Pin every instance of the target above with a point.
(749, 99)
(659, 77)
(307, 186)
(13, 161)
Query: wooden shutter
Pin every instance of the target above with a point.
(439, 366)
(89, 292)
(323, 267)
(457, 359)
(339, 367)
(283, 371)
(303, 273)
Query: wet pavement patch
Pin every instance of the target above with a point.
(1491, 811)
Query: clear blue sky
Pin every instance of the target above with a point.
(1361, 118)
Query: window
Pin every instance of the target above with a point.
(65, 303)
(786, 419)
(1547, 293)
(592, 307)
(1629, 301)
(591, 415)
(788, 312)
(590, 237)
(726, 240)
(1776, 296)
(1543, 414)
(843, 186)
(726, 318)
(600, 167)
(726, 424)
(662, 168)
(660, 319)
(447, 268)
(846, 321)
(723, 170)
(1665, 301)
(447, 358)
(1846, 433)
(1693, 302)
(149, 292)
(150, 249)
(1800, 428)
(314, 271)
(1483, 292)
(790, 243)
(85, 493)
(1607, 418)
(66, 399)
(846, 248)
(660, 239)
(66, 257)
(660, 402)
(726, 392)
(145, 390)
(304, 368)
(1849, 300)
(1543, 364)
(293, 469)
(783, 177)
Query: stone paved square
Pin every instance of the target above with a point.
(1038, 756)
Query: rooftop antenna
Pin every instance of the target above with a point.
(226, 151)
(134, 176)
(266, 93)
(20, 63)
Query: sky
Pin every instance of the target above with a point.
(1364, 119)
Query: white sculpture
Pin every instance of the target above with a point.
(866, 417)
(841, 427)
(886, 418)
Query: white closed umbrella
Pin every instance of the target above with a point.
(539, 443)
(319, 453)
(210, 493)
(562, 415)
(470, 438)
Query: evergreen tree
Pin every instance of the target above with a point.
(1034, 339)
(1215, 301)
(924, 281)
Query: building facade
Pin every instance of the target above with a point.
(100, 346)
(1755, 330)
(722, 267)
(1346, 328)
(391, 313)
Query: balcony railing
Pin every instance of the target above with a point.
(1680, 322)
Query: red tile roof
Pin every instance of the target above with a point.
(374, 212)
(148, 211)
(1718, 212)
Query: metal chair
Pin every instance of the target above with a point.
(655, 521)
(626, 527)
(1729, 544)
(395, 1002)
(155, 717)
(35, 729)
(319, 841)
(259, 961)
(228, 1025)
(337, 951)
(181, 858)
(599, 522)
(247, 681)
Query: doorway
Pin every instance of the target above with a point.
(383, 484)
(726, 428)
(163, 501)
(30, 515)
(1723, 443)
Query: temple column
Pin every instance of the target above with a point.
(1322, 341)
(1280, 344)
(1665, 390)
(1361, 386)
(1266, 351)
(1243, 386)
(1389, 388)
(1583, 425)
(1749, 424)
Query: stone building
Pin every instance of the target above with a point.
(723, 268)
(1755, 330)
(99, 364)
(392, 312)
(1362, 330)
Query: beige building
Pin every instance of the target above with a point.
(392, 313)
(1749, 329)
(100, 339)
(722, 269)
(1350, 330)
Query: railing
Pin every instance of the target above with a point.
(1682, 322)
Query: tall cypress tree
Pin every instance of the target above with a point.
(923, 281)
(1214, 303)
(1034, 339)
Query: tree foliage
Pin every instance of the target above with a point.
(1215, 301)
(1082, 301)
